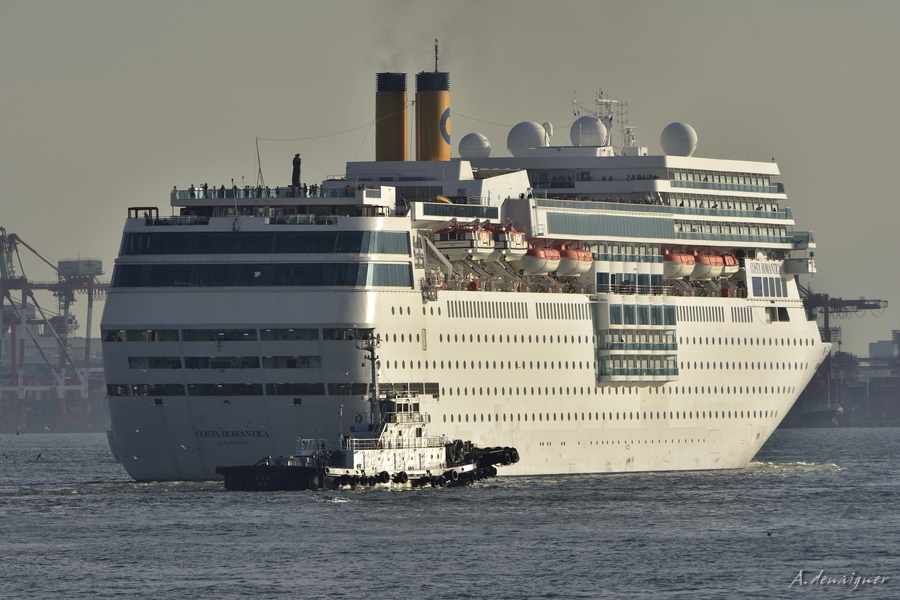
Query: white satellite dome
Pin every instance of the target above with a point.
(525, 135)
(588, 131)
(678, 139)
(474, 145)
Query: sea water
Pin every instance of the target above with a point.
(817, 512)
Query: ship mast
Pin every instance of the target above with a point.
(370, 345)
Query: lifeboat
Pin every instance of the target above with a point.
(458, 242)
(574, 261)
(708, 266)
(539, 260)
(676, 266)
(509, 243)
(732, 265)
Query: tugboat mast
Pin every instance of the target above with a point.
(370, 345)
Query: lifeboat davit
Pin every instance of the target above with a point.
(708, 266)
(458, 242)
(539, 260)
(732, 265)
(676, 266)
(509, 243)
(574, 261)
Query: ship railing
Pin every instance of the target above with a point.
(393, 443)
(639, 205)
(482, 284)
(407, 417)
(165, 221)
(543, 185)
(310, 445)
(219, 193)
(638, 347)
(291, 220)
(634, 289)
(614, 372)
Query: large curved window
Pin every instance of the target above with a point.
(284, 274)
(266, 242)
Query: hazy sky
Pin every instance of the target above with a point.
(109, 104)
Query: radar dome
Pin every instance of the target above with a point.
(474, 145)
(588, 131)
(523, 136)
(678, 139)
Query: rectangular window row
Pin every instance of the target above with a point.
(626, 340)
(231, 335)
(642, 314)
(729, 228)
(225, 362)
(746, 205)
(630, 283)
(637, 366)
(719, 177)
(270, 389)
(617, 251)
(774, 287)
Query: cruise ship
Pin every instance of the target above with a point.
(598, 307)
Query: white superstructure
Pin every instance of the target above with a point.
(677, 340)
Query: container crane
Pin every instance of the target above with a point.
(24, 318)
(824, 305)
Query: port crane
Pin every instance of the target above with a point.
(824, 305)
(68, 385)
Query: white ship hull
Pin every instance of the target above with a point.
(555, 413)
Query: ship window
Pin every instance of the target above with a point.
(295, 389)
(154, 362)
(289, 334)
(151, 335)
(113, 335)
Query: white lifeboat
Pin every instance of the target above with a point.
(573, 261)
(732, 265)
(676, 266)
(458, 242)
(708, 266)
(539, 260)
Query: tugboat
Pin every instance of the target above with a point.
(393, 450)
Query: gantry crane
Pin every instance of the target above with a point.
(24, 318)
(825, 305)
